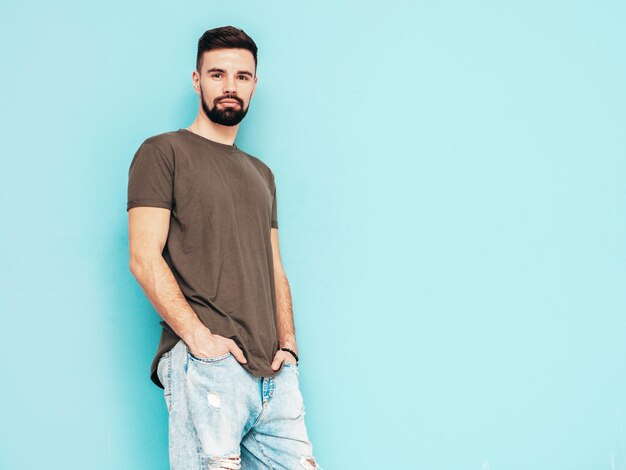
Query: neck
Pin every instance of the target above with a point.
(216, 132)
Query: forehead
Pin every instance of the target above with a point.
(231, 58)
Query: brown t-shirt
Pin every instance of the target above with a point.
(223, 206)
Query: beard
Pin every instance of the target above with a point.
(226, 116)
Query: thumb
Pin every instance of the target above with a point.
(238, 353)
(276, 363)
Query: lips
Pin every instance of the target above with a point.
(227, 101)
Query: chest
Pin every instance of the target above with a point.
(230, 186)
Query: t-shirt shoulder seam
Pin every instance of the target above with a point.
(264, 165)
(160, 150)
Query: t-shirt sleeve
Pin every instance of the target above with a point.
(150, 179)
(274, 206)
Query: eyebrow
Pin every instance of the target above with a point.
(239, 72)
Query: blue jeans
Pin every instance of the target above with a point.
(223, 417)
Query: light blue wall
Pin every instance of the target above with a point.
(452, 204)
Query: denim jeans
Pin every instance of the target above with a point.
(223, 417)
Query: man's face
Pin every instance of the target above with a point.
(226, 83)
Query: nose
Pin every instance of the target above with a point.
(230, 86)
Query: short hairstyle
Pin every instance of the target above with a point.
(224, 37)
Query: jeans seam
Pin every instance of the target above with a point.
(268, 462)
(169, 381)
(258, 419)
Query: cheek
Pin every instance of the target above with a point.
(210, 90)
(250, 94)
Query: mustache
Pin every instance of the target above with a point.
(228, 97)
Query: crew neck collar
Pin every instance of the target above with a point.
(229, 148)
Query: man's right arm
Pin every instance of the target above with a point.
(147, 233)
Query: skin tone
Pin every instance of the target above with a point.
(225, 73)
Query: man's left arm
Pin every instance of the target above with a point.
(285, 323)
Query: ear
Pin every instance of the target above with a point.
(256, 79)
(195, 81)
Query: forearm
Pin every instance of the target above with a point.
(285, 323)
(158, 283)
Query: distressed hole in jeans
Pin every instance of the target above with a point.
(214, 399)
(308, 462)
(228, 463)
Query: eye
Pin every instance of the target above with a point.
(215, 74)
(245, 77)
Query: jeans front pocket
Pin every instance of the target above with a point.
(209, 360)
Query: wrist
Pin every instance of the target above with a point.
(291, 351)
(288, 344)
(200, 335)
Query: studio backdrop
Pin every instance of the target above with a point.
(452, 209)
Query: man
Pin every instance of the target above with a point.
(203, 235)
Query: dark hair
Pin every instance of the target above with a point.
(225, 37)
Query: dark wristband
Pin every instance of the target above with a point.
(293, 353)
